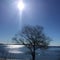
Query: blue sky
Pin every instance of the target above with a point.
(37, 12)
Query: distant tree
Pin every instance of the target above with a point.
(33, 38)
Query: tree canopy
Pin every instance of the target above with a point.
(32, 37)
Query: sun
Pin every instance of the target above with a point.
(20, 5)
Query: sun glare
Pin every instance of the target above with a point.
(21, 5)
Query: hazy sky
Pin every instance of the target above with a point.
(37, 12)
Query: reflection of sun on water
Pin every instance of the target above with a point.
(15, 46)
(15, 51)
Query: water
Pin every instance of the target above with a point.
(17, 52)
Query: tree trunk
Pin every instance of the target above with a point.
(33, 53)
(33, 56)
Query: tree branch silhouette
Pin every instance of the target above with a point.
(33, 38)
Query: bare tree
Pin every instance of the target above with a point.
(33, 38)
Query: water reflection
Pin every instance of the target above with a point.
(15, 51)
(15, 46)
(18, 52)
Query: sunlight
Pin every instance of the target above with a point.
(20, 5)
(15, 46)
(15, 51)
(21, 8)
